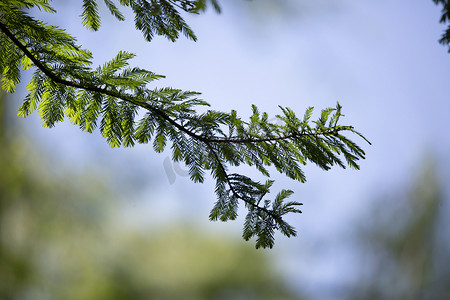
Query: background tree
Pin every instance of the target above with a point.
(405, 248)
(39, 212)
(115, 98)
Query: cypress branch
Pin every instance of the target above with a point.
(65, 85)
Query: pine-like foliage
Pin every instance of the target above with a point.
(110, 97)
(445, 18)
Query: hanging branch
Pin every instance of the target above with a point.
(111, 97)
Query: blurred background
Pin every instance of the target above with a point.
(79, 220)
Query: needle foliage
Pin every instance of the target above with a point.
(122, 102)
(445, 18)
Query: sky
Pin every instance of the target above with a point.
(379, 59)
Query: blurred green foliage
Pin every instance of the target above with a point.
(58, 240)
(406, 244)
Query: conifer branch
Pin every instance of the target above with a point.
(47, 71)
(65, 85)
(332, 131)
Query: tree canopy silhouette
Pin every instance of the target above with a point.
(123, 104)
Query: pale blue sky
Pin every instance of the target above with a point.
(379, 59)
